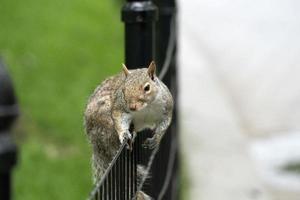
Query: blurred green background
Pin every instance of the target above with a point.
(57, 52)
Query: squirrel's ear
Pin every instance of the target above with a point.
(151, 69)
(125, 70)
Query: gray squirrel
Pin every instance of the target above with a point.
(134, 97)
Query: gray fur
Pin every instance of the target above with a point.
(119, 101)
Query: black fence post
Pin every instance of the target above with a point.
(8, 150)
(146, 39)
(164, 183)
(139, 18)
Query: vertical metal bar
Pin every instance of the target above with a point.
(123, 174)
(118, 177)
(113, 172)
(139, 149)
(128, 174)
(109, 185)
(133, 177)
(105, 190)
(100, 193)
(95, 197)
(121, 177)
(135, 149)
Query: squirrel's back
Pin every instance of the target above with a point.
(99, 124)
(99, 107)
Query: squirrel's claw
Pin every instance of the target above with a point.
(127, 137)
(129, 144)
(123, 137)
(150, 143)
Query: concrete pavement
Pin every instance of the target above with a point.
(238, 85)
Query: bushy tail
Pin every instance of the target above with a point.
(142, 176)
(140, 195)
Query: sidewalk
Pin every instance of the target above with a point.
(235, 63)
(213, 143)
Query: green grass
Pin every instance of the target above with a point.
(57, 52)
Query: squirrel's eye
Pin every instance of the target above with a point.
(147, 88)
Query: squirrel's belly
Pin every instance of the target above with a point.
(147, 118)
(140, 125)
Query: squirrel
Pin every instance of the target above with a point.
(132, 97)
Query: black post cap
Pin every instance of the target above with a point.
(139, 11)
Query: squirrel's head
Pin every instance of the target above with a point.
(140, 87)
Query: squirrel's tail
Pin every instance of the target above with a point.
(140, 195)
(142, 174)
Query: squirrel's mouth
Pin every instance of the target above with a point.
(136, 106)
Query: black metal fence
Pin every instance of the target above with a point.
(150, 34)
(8, 151)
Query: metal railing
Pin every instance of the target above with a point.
(150, 34)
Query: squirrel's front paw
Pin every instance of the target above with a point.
(126, 137)
(151, 143)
